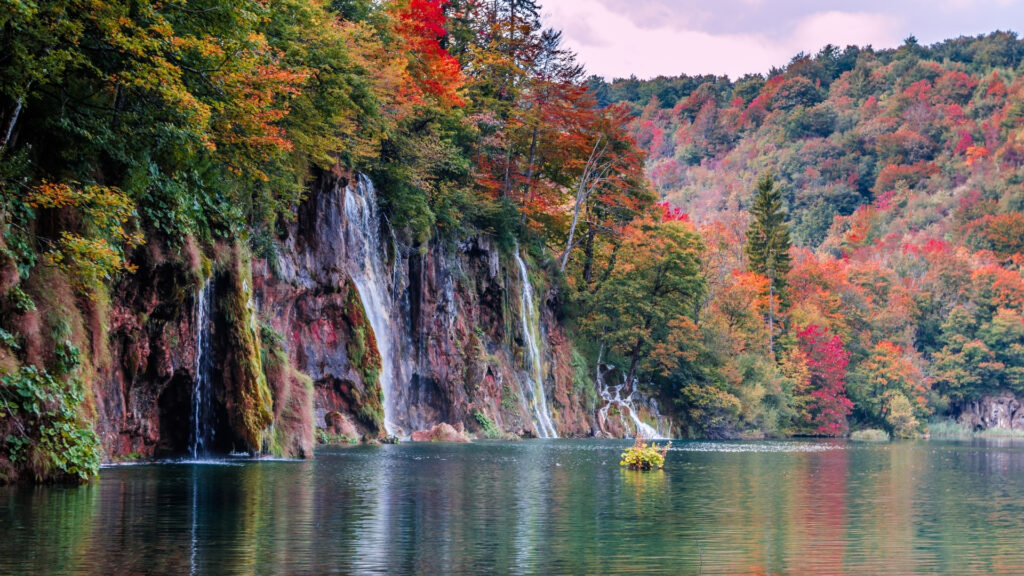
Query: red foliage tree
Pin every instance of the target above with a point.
(670, 213)
(421, 24)
(826, 360)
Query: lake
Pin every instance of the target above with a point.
(539, 507)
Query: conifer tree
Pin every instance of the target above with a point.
(768, 246)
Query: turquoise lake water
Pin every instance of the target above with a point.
(539, 507)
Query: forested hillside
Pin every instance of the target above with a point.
(187, 244)
(901, 177)
(243, 226)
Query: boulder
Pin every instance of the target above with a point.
(339, 424)
(442, 432)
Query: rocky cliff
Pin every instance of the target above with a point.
(340, 328)
(999, 411)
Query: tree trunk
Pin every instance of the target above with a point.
(771, 318)
(588, 258)
(572, 232)
(506, 187)
(9, 130)
(582, 194)
(633, 361)
(529, 167)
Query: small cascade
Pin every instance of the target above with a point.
(370, 276)
(532, 396)
(612, 395)
(202, 391)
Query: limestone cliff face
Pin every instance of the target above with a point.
(294, 327)
(457, 354)
(146, 368)
(470, 348)
(1003, 411)
(142, 395)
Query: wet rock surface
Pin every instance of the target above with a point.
(459, 349)
(1002, 411)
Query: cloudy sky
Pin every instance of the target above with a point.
(616, 38)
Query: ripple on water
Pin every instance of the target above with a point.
(757, 446)
(801, 506)
(229, 461)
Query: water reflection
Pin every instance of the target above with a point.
(536, 508)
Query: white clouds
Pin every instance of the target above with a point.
(614, 43)
(959, 5)
(843, 28)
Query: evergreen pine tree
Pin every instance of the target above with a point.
(768, 246)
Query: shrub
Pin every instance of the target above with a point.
(328, 438)
(45, 432)
(870, 435)
(643, 456)
(488, 428)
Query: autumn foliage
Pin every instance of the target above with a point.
(826, 362)
(837, 243)
(900, 178)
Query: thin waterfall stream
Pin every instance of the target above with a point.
(202, 392)
(532, 396)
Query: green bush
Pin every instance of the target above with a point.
(325, 437)
(643, 456)
(45, 433)
(487, 426)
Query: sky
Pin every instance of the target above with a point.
(647, 38)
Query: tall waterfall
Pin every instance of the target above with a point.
(202, 391)
(532, 396)
(370, 276)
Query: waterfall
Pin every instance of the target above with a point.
(612, 395)
(370, 276)
(532, 397)
(202, 391)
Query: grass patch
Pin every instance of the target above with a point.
(954, 429)
(327, 438)
(870, 435)
(949, 429)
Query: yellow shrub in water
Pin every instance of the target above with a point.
(643, 456)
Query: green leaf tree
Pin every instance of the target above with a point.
(643, 311)
(768, 246)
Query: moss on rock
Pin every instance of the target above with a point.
(292, 433)
(251, 410)
(364, 357)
